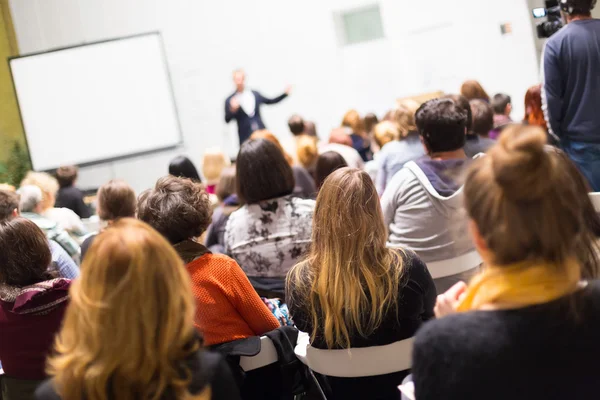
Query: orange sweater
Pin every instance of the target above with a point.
(228, 307)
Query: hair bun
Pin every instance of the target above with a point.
(521, 166)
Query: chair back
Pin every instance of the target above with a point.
(266, 356)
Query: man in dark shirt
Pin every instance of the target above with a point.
(68, 195)
(244, 106)
(572, 87)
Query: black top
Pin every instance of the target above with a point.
(207, 369)
(86, 245)
(416, 300)
(537, 352)
(72, 198)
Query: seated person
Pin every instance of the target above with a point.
(128, 332)
(483, 122)
(183, 167)
(356, 130)
(30, 206)
(340, 142)
(32, 304)
(68, 195)
(116, 199)
(64, 217)
(228, 308)
(502, 106)
(527, 327)
(271, 231)
(62, 263)
(213, 162)
(228, 203)
(327, 163)
(352, 291)
(422, 205)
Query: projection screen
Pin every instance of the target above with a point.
(97, 102)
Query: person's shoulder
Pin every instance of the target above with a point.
(403, 177)
(303, 204)
(213, 372)
(46, 391)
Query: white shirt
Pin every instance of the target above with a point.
(247, 102)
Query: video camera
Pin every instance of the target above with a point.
(554, 22)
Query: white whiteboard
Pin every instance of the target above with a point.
(96, 102)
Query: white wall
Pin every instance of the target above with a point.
(430, 45)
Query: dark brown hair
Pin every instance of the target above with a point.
(473, 90)
(262, 172)
(9, 201)
(24, 253)
(178, 208)
(66, 175)
(327, 163)
(116, 199)
(526, 203)
(483, 117)
(296, 125)
(226, 185)
(463, 103)
(442, 125)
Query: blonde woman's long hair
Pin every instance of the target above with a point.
(129, 325)
(350, 280)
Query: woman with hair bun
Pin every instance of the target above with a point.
(527, 326)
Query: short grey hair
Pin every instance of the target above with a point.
(31, 196)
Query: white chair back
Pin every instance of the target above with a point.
(454, 266)
(266, 356)
(355, 362)
(595, 198)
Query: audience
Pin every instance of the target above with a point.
(32, 303)
(128, 332)
(422, 204)
(228, 203)
(116, 199)
(407, 147)
(352, 291)
(68, 195)
(527, 326)
(61, 261)
(228, 308)
(483, 122)
(340, 142)
(327, 163)
(183, 167)
(213, 163)
(304, 182)
(30, 206)
(502, 106)
(64, 217)
(356, 130)
(272, 230)
(473, 90)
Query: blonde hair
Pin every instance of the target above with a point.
(386, 132)
(307, 150)
(7, 187)
(350, 280)
(47, 184)
(129, 326)
(353, 120)
(268, 135)
(213, 163)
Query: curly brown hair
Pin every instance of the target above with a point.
(178, 208)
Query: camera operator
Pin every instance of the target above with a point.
(572, 86)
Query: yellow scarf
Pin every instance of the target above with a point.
(521, 285)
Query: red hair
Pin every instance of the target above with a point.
(534, 115)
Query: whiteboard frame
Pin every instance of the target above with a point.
(158, 34)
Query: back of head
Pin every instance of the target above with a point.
(226, 185)
(116, 199)
(500, 102)
(464, 104)
(262, 172)
(307, 150)
(442, 124)
(183, 167)
(268, 135)
(578, 7)
(30, 197)
(327, 163)
(534, 114)
(524, 200)
(473, 90)
(369, 121)
(133, 289)
(178, 208)
(213, 162)
(353, 121)
(310, 128)
(386, 132)
(404, 118)
(354, 277)
(296, 125)
(66, 175)
(483, 117)
(47, 183)
(24, 253)
(340, 136)
(9, 204)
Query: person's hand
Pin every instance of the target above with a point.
(288, 90)
(234, 104)
(447, 303)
